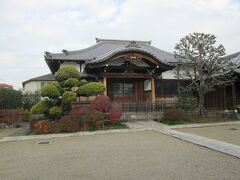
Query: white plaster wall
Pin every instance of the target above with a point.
(147, 85)
(169, 74)
(33, 86)
(71, 64)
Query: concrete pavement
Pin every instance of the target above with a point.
(133, 155)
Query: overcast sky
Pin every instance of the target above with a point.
(28, 28)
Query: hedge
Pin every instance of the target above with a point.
(10, 98)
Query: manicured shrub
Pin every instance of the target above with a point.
(82, 82)
(58, 86)
(10, 98)
(67, 124)
(67, 72)
(71, 82)
(9, 116)
(69, 97)
(101, 103)
(115, 112)
(174, 114)
(41, 107)
(43, 127)
(55, 112)
(50, 91)
(90, 117)
(91, 89)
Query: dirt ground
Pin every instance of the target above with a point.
(133, 155)
(226, 133)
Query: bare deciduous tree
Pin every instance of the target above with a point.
(201, 61)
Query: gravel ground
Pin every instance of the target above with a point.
(226, 133)
(134, 155)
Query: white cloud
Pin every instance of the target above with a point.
(28, 28)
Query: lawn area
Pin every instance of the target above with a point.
(194, 120)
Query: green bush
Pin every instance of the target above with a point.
(50, 91)
(60, 89)
(82, 82)
(10, 98)
(41, 107)
(71, 82)
(67, 72)
(186, 101)
(69, 97)
(55, 112)
(91, 89)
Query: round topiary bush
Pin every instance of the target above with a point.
(82, 82)
(69, 97)
(60, 89)
(40, 108)
(50, 91)
(55, 112)
(71, 82)
(67, 72)
(91, 89)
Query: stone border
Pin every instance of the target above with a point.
(61, 135)
(202, 125)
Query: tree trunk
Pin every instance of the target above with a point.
(201, 104)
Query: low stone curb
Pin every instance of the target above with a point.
(50, 136)
(202, 125)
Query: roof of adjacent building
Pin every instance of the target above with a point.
(3, 85)
(235, 58)
(46, 77)
(106, 48)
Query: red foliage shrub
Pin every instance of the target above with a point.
(101, 103)
(174, 114)
(115, 112)
(9, 116)
(67, 124)
(43, 127)
(90, 117)
(32, 123)
(76, 111)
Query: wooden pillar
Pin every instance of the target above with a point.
(153, 90)
(105, 84)
(234, 95)
(224, 98)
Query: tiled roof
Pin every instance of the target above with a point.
(47, 77)
(106, 48)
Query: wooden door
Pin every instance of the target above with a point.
(125, 90)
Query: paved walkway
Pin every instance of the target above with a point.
(220, 146)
